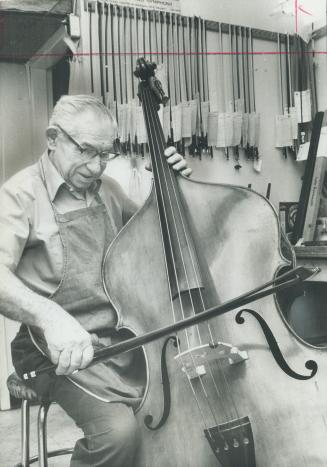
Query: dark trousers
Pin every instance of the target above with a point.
(110, 429)
(111, 435)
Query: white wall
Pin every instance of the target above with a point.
(22, 124)
(321, 72)
(284, 175)
(273, 15)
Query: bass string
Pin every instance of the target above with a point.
(165, 213)
(186, 237)
(154, 162)
(227, 386)
(180, 249)
(227, 390)
(215, 385)
(155, 168)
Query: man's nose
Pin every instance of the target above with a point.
(95, 164)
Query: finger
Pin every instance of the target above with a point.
(170, 151)
(64, 362)
(87, 356)
(94, 339)
(54, 355)
(174, 158)
(76, 359)
(180, 165)
(187, 172)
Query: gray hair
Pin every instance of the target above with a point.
(69, 107)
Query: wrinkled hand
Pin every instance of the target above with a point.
(70, 346)
(177, 161)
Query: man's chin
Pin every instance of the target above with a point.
(81, 183)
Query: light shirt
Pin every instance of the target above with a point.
(30, 243)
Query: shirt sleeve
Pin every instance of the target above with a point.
(14, 225)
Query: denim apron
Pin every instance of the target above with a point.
(85, 235)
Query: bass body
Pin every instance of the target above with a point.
(231, 404)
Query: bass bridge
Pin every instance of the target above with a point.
(232, 443)
(193, 360)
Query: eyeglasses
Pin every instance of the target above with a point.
(90, 152)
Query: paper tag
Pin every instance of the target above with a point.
(135, 184)
(176, 114)
(213, 99)
(283, 131)
(257, 120)
(229, 129)
(194, 106)
(302, 102)
(251, 133)
(221, 131)
(161, 75)
(212, 128)
(230, 107)
(129, 119)
(166, 122)
(322, 146)
(133, 107)
(245, 129)
(122, 122)
(239, 105)
(257, 165)
(205, 114)
(303, 152)
(140, 126)
(186, 120)
(237, 128)
(294, 122)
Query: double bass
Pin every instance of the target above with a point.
(221, 395)
(240, 390)
(193, 245)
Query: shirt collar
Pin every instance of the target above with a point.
(55, 181)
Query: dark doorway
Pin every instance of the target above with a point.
(60, 78)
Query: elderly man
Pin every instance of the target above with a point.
(57, 219)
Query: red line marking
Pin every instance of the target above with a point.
(305, 11)
(96, 54)
(298, 8)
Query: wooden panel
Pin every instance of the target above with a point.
(4, 371)
(46, 6)
(21, 142)
(8, 330)
(15, 119)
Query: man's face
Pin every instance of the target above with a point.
(89, 130)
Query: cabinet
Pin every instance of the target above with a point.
(307, 312)
(8, 330)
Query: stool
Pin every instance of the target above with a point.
(18, 389)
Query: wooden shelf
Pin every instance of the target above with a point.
(312, 251)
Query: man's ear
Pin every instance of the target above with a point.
(52, 134)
